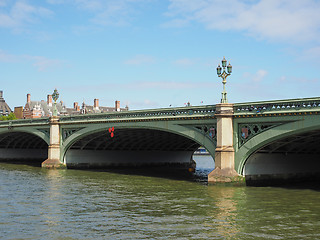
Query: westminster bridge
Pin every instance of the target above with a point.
(266, 139)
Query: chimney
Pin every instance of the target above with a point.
(75, 105)
(96, 103)
(49, 100)
(1, 94)
(28, 98)
(117, 106)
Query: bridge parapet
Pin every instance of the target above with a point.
(280, 106)
(200, 111)
(24, 122)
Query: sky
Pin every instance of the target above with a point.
(158, 53)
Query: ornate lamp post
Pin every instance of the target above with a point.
(55, 97)
(224, 76)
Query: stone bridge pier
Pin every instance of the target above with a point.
(224, 155)
(53, 161)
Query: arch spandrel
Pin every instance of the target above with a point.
(300, 126)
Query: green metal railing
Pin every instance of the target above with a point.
(263, 107)
(288, 105)
(23, 122)
(144, 114)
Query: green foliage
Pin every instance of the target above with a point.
(11, 116)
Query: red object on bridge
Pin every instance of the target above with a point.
(111, 130)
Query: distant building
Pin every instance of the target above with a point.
(4, 108)
(37, 109)
(85, 109)
(18, 112)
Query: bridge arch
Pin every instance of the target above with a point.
(43, 134)
(19, 144)
(191, 136)
(300, 127)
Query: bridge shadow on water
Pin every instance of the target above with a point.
(295, 186)
(200, 175)
(312, 183)
(159, 172)
(148, 171)
(31, 163)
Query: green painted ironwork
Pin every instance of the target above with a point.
(289, 105)
(155, 114)
(45, 131)
(247, 131)
(55, 97)
(223, 74)
(288, 126)
(209, 130)
(68, 132)
(24, 122)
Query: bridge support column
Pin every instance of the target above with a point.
(224, 156)
(53, 161)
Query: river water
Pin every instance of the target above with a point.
(73, 204)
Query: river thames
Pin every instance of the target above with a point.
(37, 203)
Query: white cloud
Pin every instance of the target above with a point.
(40, 62)
(163, 85)
(176, 23)
(111, 12)
(311, 54)
(43, 63)
(167, 85)
(6, 57)
(140, 59)
(143, 85)
(283, 20)
(143, 104)
(21, 13)
(186, 62)
(3, 3)
(257, 77)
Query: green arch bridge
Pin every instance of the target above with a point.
(256, 140)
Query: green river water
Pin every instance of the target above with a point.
(73, 204)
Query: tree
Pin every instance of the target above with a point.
(11, 116)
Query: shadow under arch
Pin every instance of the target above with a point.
(23, 147)
(141, 137)
(286, 152)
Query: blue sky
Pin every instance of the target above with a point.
(157, 53)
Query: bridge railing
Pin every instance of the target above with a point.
(288, 105)
(144, 114)
(35, 121)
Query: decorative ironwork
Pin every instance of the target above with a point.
(277, 106)
(199, 111)
(224, 76)
(68, 132)
(17, 122)
(55, 97)
(45, 131)
(248, 131)
(208, 130)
